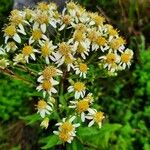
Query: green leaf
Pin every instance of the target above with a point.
(75, 145)
(95, 137)
(50, 141)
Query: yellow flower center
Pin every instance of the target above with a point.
(64, 136)
(83, 67)
(78, 36)
(37, 34)
(115, 44)
(111, 30)
(68, 59)
(110, 58)
(64, 49)
(126, 57)
(42, 18)
(47, 85)
(66, 19)
(79, 86)
(101, 41)
(71, 5)
(15, 17)
(92, 35)
(98, 117)
(46, 50)
(66, 127)
(81, 49)
(81, 27)
(10, 30)
(43, 6)
(99, 20)
(41, 104)
(27, 50)
(49, 72)
(82, 106)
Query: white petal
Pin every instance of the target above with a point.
(17, 38)
(91, 123)
(43, 27)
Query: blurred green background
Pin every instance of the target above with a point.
(125, 98)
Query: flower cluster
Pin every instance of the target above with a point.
(58, 47)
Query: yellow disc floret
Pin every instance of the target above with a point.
(41, 104)
(101, 41)
(64, 136)
(10, 30)
(49, 72)
(66, 127)
(98, 117)
(78, 36)
(110, 58)
(46, 85)
(82, 106)
(79, 86)
(27, 50)
(64, 49)
(37, 34)
(83, 67)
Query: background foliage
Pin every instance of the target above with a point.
(125, 99)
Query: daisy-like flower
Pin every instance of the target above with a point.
(95, 117)
(4, 63)
(47, 50)
(117, 44)
(11, 46)
(96, 19)
(126, 58)
(66, 130)
(78, 88)
(81, 69)
(64, 50)
(44, 108)
(66, 21)
(48, 87)
(11, 31)
(19, 58)
(45, 123)
(83, 50)
(110, 61)
(69, 60)
(17, 18)
(28, 51)
(48, 73)
(42, 20)
(81, 107)
(96, 40)
(37, 35)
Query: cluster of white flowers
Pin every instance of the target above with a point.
(62, 45)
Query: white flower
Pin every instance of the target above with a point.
(37, 35)
(66, 130)
(28, 51)
(81, 69)
(81, 106)
(47, 50)
(44, 108)
(110, 61)
(95, 117)
(47, 87)
(48, 73)
(11, 32)
(126, 58)
(78, 88)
